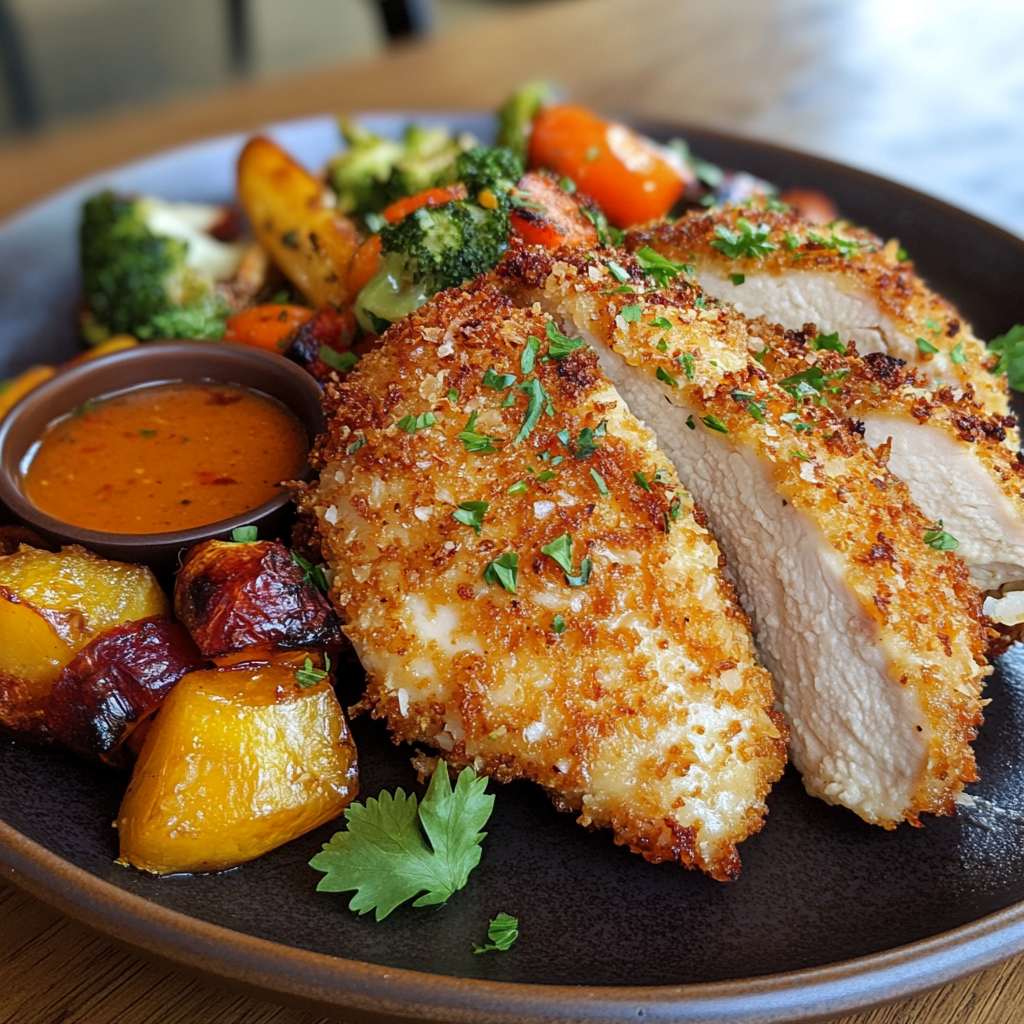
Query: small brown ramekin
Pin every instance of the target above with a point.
(152, 363)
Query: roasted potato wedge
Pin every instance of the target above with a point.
(231, 596)
(310, 242)
(115, 682)
(51, 605)
(238, 761)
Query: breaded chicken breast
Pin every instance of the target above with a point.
(769, 263)
(957, 460)
(530, 590)
(875, 640)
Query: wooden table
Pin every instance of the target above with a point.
(927, 100)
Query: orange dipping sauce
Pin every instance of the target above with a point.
(165, 457)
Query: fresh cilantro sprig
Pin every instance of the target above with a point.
(498, 381)
(560, 552)
(311, 574)
(938, 539)
(501, 934)
(750, 241)
(560, 346)
(340, 361)
(504, 570)
(1010, 347)
(471, 513)
(410, 424)
(473, 441)
(660, 269)
(830, 342)
(393, 851)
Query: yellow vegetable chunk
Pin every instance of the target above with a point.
(238, 762)
(51, 605)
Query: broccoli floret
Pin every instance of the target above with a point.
(140, 274)
(515, 118)
(373, 172)
(487, 168)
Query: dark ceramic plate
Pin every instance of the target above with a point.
(830, 914)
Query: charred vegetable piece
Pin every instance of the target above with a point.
(269, 327)
(323, 343)
(237, 762)
(231, 596)
(115, 682)
(632, 178)
(544, 213)
(311, 242)
(51, 605)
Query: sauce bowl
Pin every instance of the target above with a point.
(153, 363)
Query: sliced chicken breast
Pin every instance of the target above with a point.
(956, 459)
(530, 590)
(769, 263)
(876, 641)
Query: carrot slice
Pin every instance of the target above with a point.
(268, 327)
(430, 197)
(365, 264)
(547, 215)
(630, 177)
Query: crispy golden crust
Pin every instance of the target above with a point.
(648, 714)
(869, 266)
(927, 612)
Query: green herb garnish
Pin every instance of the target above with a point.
(245, 534)
(750, 241)
(504, 570)
(471, 513)
(498, 381)
(410, 424)
(310, 676)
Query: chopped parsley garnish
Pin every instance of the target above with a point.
(548, 474)
(393, 851)
(658, 268)
(846, 246)
(926, 347)
(147, 433)
(410, 424)
(1010, 347)
(690, 423)
(741, 396)
(558, 624)
(245, 534)
(641, 481)
(759, 356)
(797, 454)
(473, 441)
(586, 444)
(606, 234)
(341, 361)
(560, 551)
(498, 381)
(902, 254)
(509, 399)
(756, 409)
(560, 345)
(501, 934)
(662, 345)
(310, 676)
(957, 353)
(453, 395)
(586, 567)
(675, 508)
(567, 185)
(793, 419)
(504, 570)
(664, 375)
(790, 241)
(529, 355)
(932, 326)
(534, 390)
(661, 322)
(714, 423)
(619, 273)
(750, 241)
(355, 446)
(830, 342)
(602, 487)
(520, 487)
(688, 364)
(471, 513)
(940, 540)
(311, 574)
(737, 279)
(631, 314)
(700, 302)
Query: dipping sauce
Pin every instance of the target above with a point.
(165, 457)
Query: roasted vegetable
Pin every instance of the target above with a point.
(51, 605)
(115, 682)
(231, 596)
(150, 268)
(633, 179)
(324, 343)
(312, 243)
(373, 172)
(515, 118)
(438, 247)
(269, 327)
(237, 762)
(546, 213)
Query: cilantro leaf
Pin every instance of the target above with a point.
(714, 423)
(1010, 347)
(560, 345)
(926, 347)
(586, 565)
(501, 933)
(310, 676)
(473, 441)
(830, 342)
(410, 424)
(245, 534)
(385, 856)
(641, 481)
(560, 551)
(558, 624)
(519, 487)
(661, 322)
(631, 314)
(737, 279)
(750, 241)
(663, 374)
(529, 356)
(617, 272)
(657, 267)
(538, 397)
(341, 361)
(504, 570)
(688, 364)
(940, 540)
(602, 487)
(311, 574)
(957, 353)
(355, 446)
(471, 513)
(606, 234)
(498, 381)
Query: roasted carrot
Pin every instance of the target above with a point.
(430, 197)
(545, 214)
(268, 327)
(14, 390)
(629, 176)
(365, 264)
